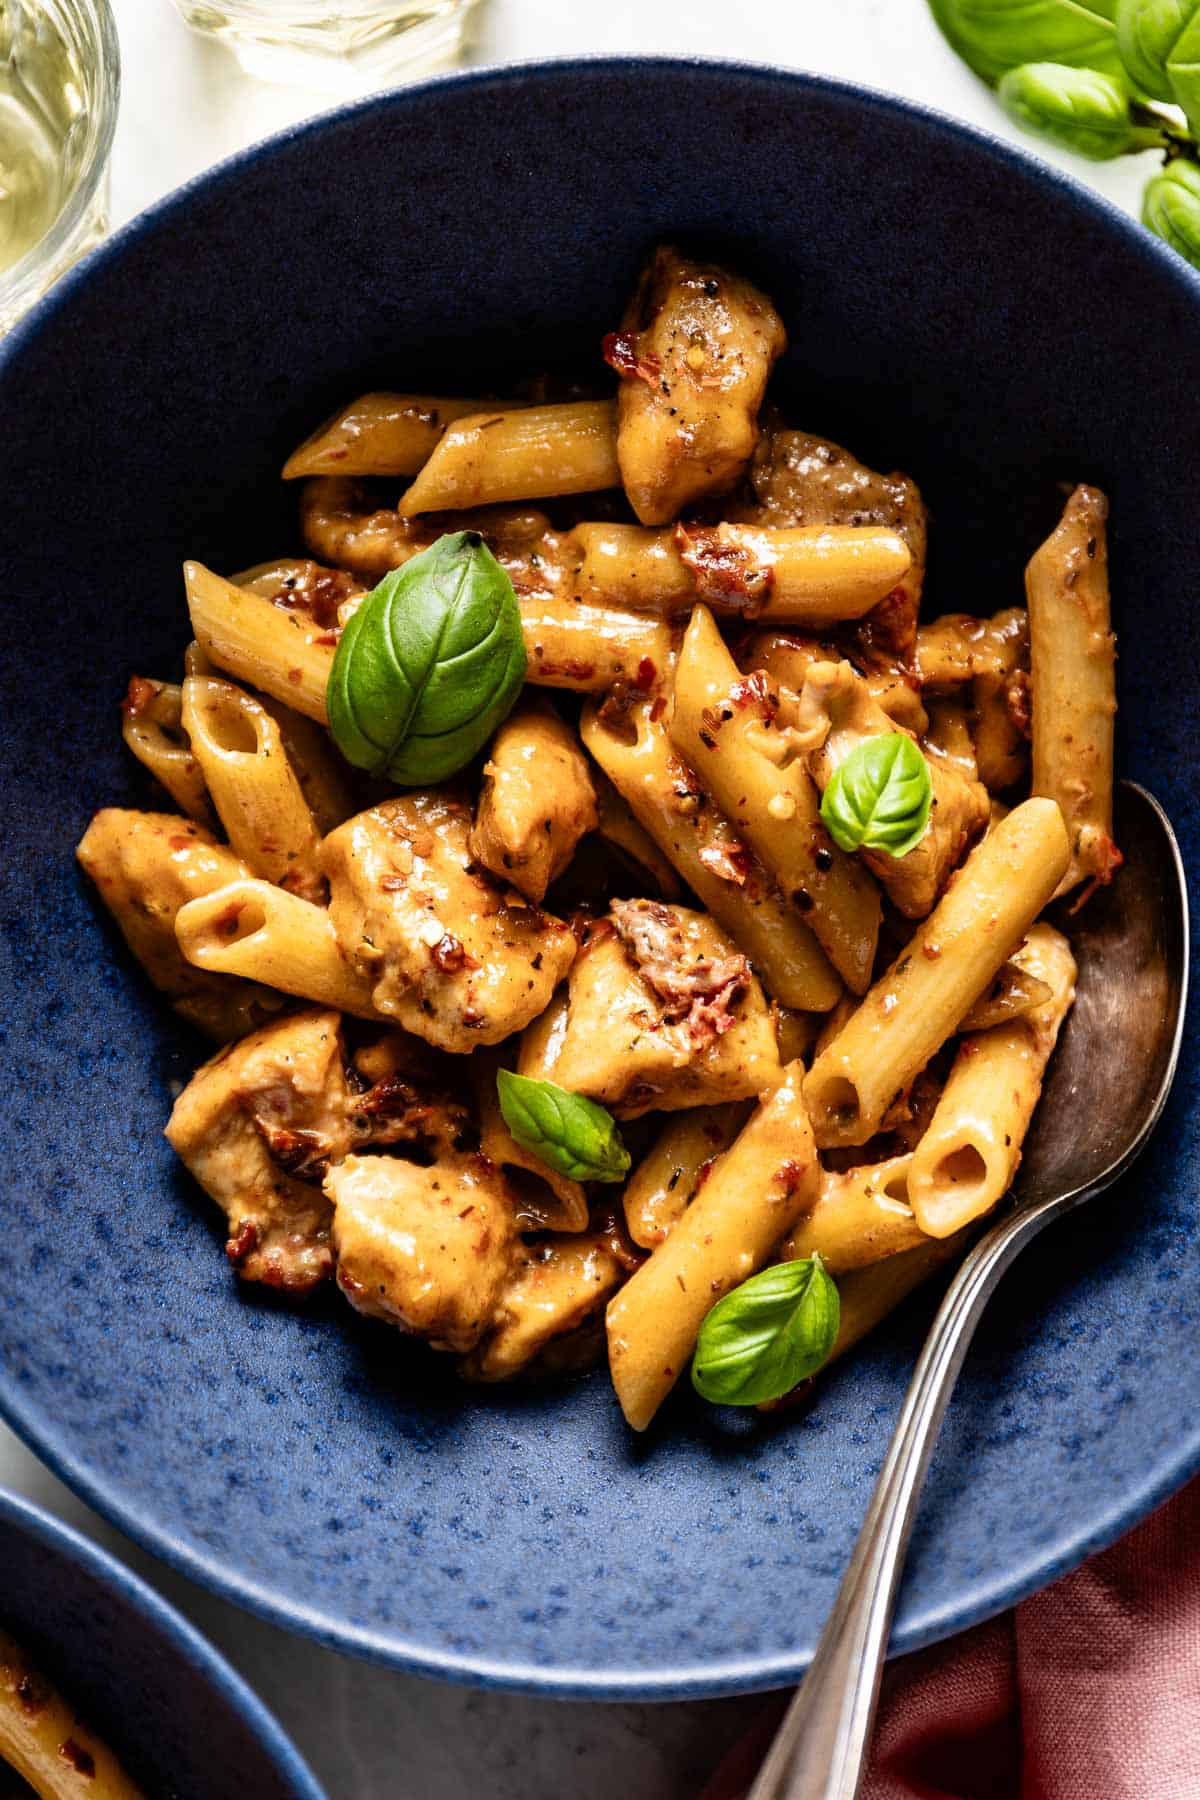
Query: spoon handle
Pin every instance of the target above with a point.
(820, 1749)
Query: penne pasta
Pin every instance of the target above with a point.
(378, 434)
(859, 1216)
(45, 1741)
(254, 788)
(575, 644)
(970, 1152)
(527, 453)
(282, 652)
(869, 1294)
(808, 575)
(753, 1194)
(675, 1168)
(1072, 655)
(666, 798)
(152, 726)
(323, 776)
(955, 953)
(725, 726)
(254, 929)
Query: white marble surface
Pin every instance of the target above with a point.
(371, 1734)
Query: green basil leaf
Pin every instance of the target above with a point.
(880, 797)
(768, 1334)
(568, 1133)
(993, 36)
(429, 665)
(1077, 109)
(1171, 208)
(1183, 69)
(1147, 32)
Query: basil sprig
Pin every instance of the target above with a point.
(880, 797)
(767, 1335)
(568, 1133)
(1091, 76)
(429, 665)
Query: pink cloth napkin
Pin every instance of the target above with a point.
(1088, 1691)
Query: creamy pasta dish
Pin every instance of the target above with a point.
(620, 911)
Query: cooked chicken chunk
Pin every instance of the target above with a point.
(146, 866)
(837, 707)
(695, 350)
(556, 1284)
(803, 480)
(622, 1043)
(536, 800)
(455, 957)
(426, 1249)
(257, 1126)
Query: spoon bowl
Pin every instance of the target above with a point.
(1104, 1092)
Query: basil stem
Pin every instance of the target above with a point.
(568, 1133)
(880, 797)
(768, 1335)
(429, 665)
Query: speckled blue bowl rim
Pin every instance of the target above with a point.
(163, 1621)
(975, 1602)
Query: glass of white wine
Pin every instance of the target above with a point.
(59, 84)
(341, 46)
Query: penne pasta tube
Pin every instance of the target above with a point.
(955, 953)
(810, 575)
(665, 797)
(752, 1196)
(724, 725)
(378, 434)
(1072, 654)
(526, 453)
(46, 1742)
(674, 1169)
(260, 931)
(859, 1216)
(869, 1294)
(318, 768)
(254, 788)
(282, 652)
(814, 575)
(837, 714)
(575, 644)
(152, 726)
(970, 1152)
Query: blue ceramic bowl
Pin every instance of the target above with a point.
(954, 308)
(159, 1695)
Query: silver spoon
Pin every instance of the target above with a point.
(1106, 1087)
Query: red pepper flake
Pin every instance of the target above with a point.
(295, 676)
(789, 1175)
(450, 954)
(238, 1248)
(328, 637)
(646, 673)
(756, 689)
(658, 708)
(182, 840)
(727, 575)
(620, 352)
(81, 1760)
(139, 695)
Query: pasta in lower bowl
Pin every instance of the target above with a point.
(747, 920)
